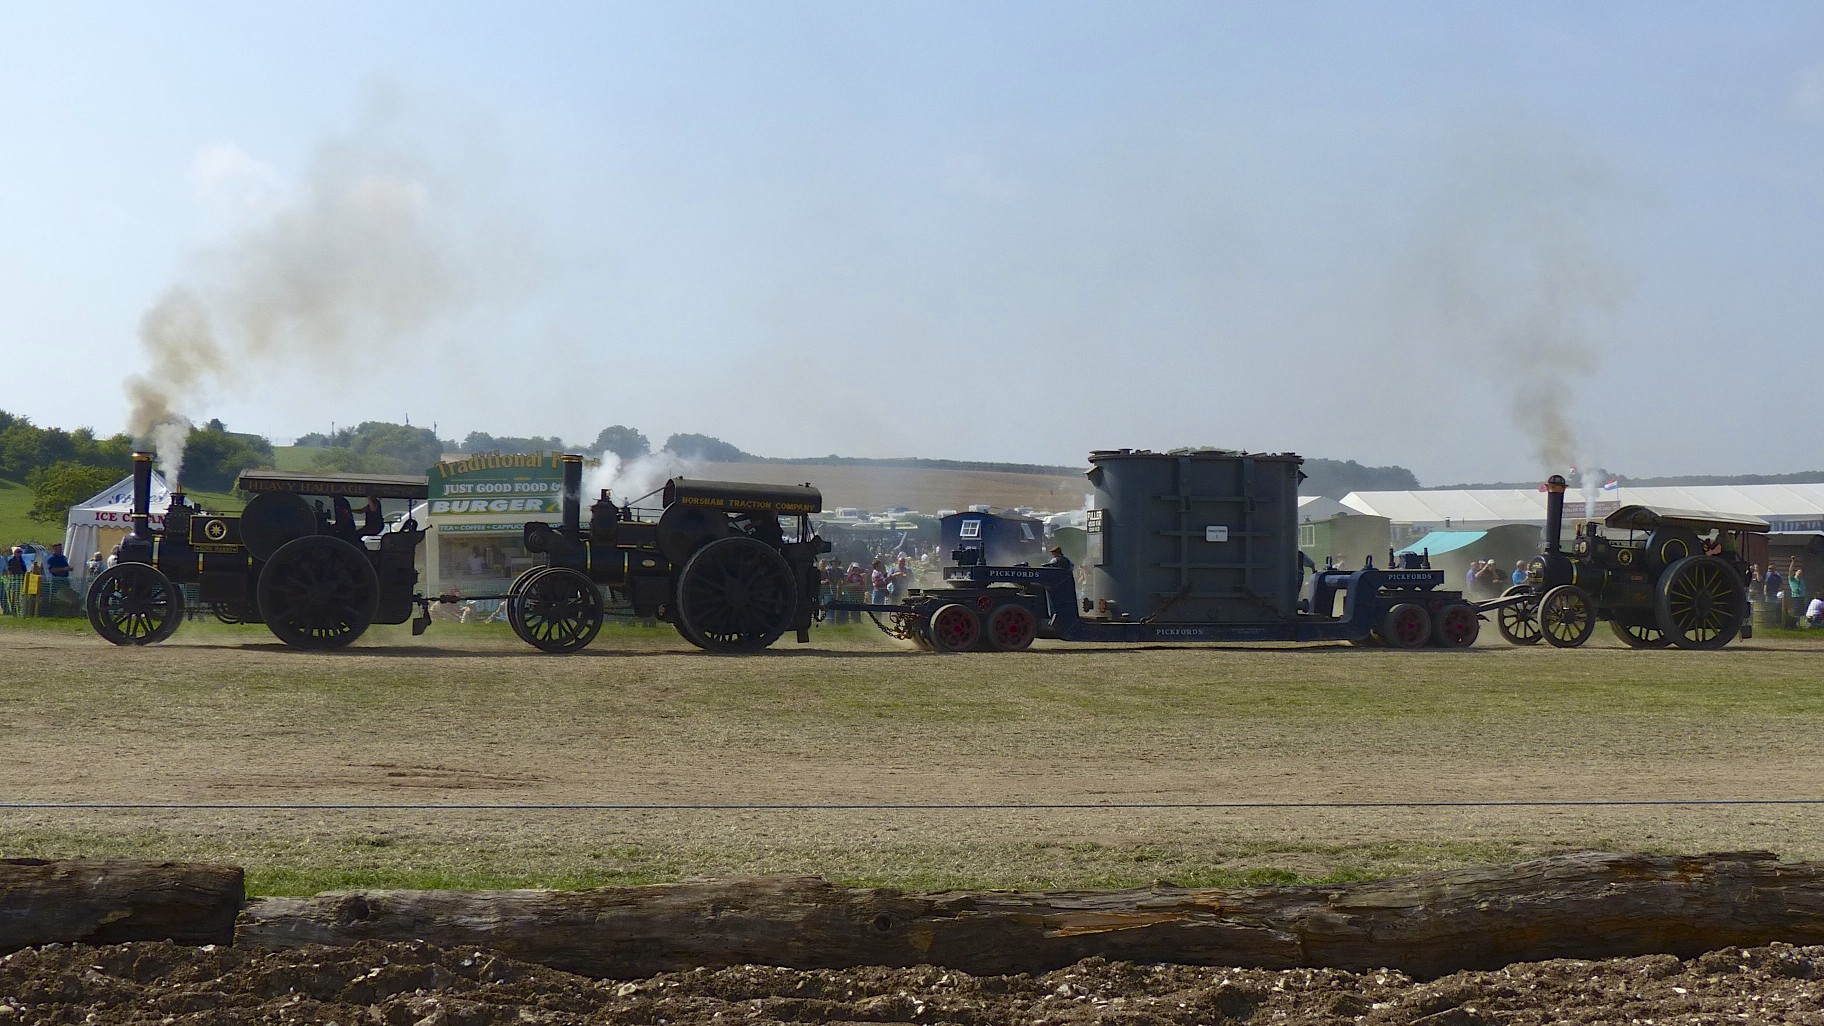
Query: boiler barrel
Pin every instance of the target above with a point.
(735, 496)
(1197, 537)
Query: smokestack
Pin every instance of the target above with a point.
(1554, 511)
(573, 494)
(142, 496)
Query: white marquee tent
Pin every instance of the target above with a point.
(1791, 507)
(99, 522)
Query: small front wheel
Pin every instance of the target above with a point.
(1566, 616)
(134, 604)
(1518, 622)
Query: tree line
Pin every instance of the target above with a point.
(63, 467)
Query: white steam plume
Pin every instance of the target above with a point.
(372, 247)
(632, 479)
(1510, 265)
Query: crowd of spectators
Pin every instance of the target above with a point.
(39, 581)
(1789, 593)
(884, 581)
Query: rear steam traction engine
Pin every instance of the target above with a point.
(1644, 570)
(732, 566)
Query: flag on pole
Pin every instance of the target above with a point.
(1611, 484)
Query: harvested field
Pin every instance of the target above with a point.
(867, 763)
(386, 766)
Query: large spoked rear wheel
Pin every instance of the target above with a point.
(1700, 602)
(134, 604)
(318, 592)
(1566, 616)
(555, 609)
(735, 595)
(955, 628)
(1639, 635)
(1518, 622)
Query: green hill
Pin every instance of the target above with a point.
(15, 526)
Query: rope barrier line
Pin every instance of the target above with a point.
(882, 806)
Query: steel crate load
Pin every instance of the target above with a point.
(732, 566)
(1194, 538)
(1657, 576)
(296, 559)
(1186, 546)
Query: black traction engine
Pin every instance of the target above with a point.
(731, 565)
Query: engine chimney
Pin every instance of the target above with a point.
(573, 494)
(142, 496)
(1554, 511)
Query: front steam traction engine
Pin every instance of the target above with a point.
(1658, 576)
(732, 566)
(315, 579)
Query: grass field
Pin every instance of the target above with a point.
(15, 526)
(1066, 766)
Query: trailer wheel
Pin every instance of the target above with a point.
(1639, 635)
(560, 610)
(1518, 622)
(1011, 627)
(1699, 602)
(134, 604)
(1566, 617)
(1406, 625)
(735, 594)
(1457, 626)
(955, 628)
(318, 591)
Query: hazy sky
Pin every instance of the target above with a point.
(1477, 239)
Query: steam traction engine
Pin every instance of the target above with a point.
(1658, 576)
(731, 566)
(309, 576)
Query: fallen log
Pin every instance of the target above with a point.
(104, 901)
(1586, 905)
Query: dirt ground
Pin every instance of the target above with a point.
(793, 761)
(456, 721)
(419, 985)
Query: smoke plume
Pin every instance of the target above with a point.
(1511, 264)
(634, 478)
(369, 250)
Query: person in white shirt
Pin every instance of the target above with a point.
(1814, 612)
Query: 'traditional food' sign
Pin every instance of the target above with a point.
(496, 491)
